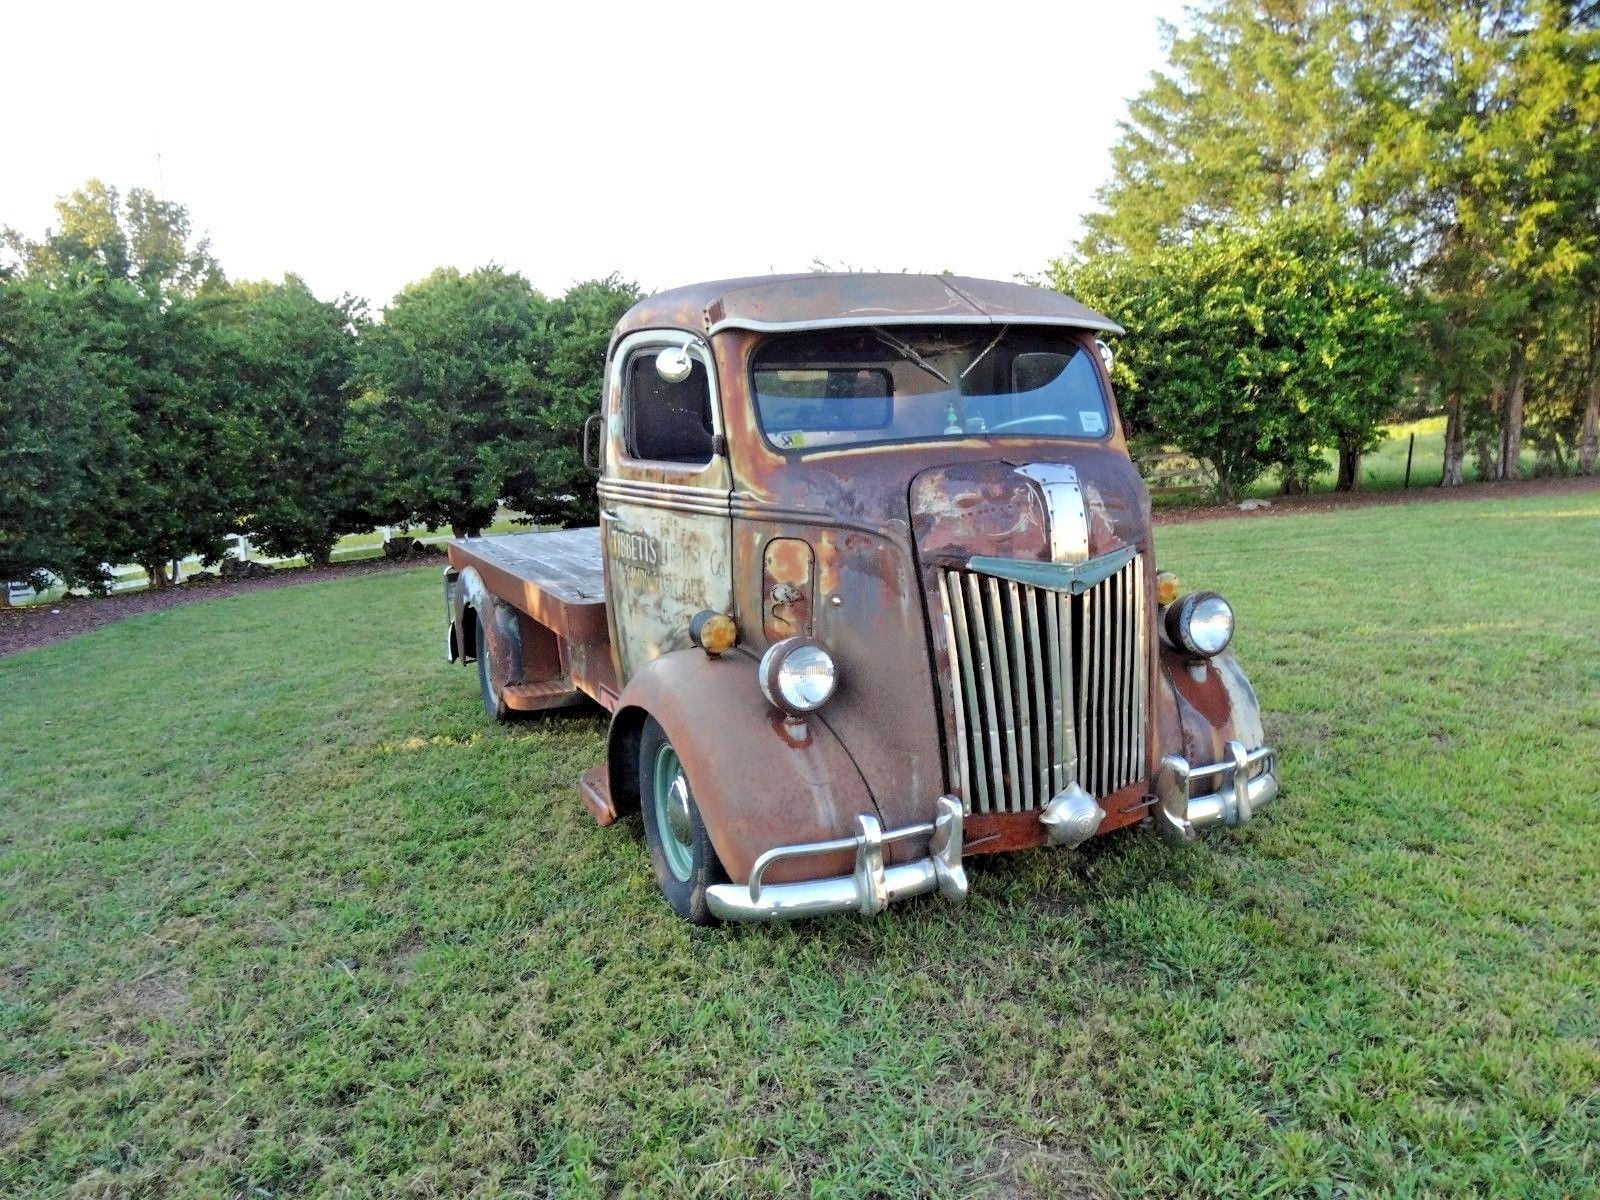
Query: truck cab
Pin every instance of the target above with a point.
(873, 591)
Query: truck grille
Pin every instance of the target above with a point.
(1048, 688)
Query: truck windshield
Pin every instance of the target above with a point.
(848, 387)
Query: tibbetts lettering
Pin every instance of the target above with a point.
(639, 551)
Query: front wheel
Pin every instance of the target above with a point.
(680, 850)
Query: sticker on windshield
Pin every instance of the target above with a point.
(790, 440)
(1092, 422)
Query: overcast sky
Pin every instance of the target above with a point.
(362, 146)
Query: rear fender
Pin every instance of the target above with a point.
(502, 628)
(758, 780)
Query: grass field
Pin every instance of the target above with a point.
(281, 916)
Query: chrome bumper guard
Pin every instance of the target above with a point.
(1244, 783)
(872, 886)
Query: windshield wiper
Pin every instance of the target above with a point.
(985, 352)
(905, 351)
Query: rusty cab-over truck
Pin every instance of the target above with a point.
(874, 589)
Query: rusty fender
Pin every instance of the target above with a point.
(759, 780)
(502, 627)
(1201, 707)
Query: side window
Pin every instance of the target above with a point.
(666, 422)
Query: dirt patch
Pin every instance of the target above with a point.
(159, 997)
(1022, 1170)
(40, 624)
(1339, 501)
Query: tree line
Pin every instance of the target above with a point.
(1320, 214)
(150, 407)
(1323, 210)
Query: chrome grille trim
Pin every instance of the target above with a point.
(1045, 688)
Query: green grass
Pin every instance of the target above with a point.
(281, 916)
(1382, 470)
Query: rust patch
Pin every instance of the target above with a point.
(786, 589)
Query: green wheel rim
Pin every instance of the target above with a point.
(670, 788)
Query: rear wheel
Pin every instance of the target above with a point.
(680, 850)
(493, 703)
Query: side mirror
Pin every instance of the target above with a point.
(674, 364)
(591, 444)
(1105, 353)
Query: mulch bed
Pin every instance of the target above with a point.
(38, 625)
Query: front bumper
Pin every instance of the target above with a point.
(1243, 784)
(868, 890)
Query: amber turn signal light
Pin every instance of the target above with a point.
(713, 632)
(1166, 588)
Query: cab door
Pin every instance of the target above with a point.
(665, 523)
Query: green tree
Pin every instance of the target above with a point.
(139, 284)
(548, 481)
(62, 436)
(1251, 349)
(1456, 141)
(296, 361)
(452, 377)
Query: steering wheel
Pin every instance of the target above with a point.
(1016, 422)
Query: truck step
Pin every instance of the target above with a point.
(543, 694)
(595, 788)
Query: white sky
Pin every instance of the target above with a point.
(362, 146)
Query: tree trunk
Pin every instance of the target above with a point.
(1226, 492)
(1349, 469)
(464, 531)
(1511, 419)
(157, 574)
(1455, 442)
(1589, 441)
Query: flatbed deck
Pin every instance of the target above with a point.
(556, 576)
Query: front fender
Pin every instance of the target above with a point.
(1203, 706)
(759, 781)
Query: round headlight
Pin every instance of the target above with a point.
(798, 675)
(1201, 624)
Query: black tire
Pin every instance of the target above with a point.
(493, 704)
(697, 866)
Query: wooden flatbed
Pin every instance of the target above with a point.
(555, 577)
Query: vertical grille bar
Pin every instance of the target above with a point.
(991, 725)
(1023, 780)
(1085, 623)
(1119, 670)
(1069, 708)
(1008, 712)
(1059, 678)
(961, 676)
(1042, 722)
(1141, 668)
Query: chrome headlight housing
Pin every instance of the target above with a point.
(1200, 624)
(797, 675)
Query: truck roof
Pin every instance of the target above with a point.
(825, 300)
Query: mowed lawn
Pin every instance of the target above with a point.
(280, 915)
